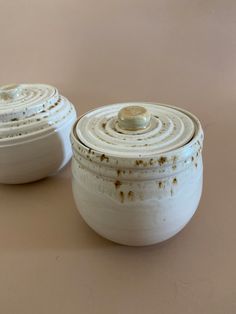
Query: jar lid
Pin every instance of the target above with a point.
(26, 109)
(135, 129)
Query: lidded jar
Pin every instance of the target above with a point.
(35, 123)
(137, 170)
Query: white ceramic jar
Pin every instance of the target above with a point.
(137, 170)
(35, 123)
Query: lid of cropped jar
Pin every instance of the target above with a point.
(135, 129)
(30, 108)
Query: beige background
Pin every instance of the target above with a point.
(98, 52)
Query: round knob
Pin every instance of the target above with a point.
(134, 118)
(9, 91)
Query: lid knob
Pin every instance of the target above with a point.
(9, 91)
(133, 118)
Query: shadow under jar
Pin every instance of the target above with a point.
(137, 170)
(35, 125)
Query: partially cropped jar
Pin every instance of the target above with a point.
(137, 171)
(35, 123)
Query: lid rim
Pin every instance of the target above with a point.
(150, 151)
(183, 151)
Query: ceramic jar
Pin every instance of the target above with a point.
(35, 123)
(137, 171)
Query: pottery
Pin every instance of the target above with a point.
(35, 123)
(137, 171)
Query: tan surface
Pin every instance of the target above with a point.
(98, 52)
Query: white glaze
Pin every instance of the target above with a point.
(138, 200)
(35, 123)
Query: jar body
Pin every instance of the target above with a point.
(36, 158)
(137, 206)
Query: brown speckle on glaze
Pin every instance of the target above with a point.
(196, 165)
(151, 161)
(175, 181)
(162, 160)
(139, 162)
(118, 172)
(122, 196)
(117, 184)
(104, 125)
(192, 158)
(174, 167)
(104, 157)
(131, 195)
(160, 184)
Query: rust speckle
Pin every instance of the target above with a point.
(52, 106)
(89, 151)
(139, 162)
(175, 181)
(196, 165)
(131, 195)
(151, 161)
(122, 196)
(118, 172)
(192, 158)
(104, 157)
(117, 184)
(162, 160)
(160, 184)
(104, 125)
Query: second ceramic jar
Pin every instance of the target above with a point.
(137, 171)
(35, 123)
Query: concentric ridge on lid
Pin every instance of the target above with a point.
(26, 109)
(167, 130)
